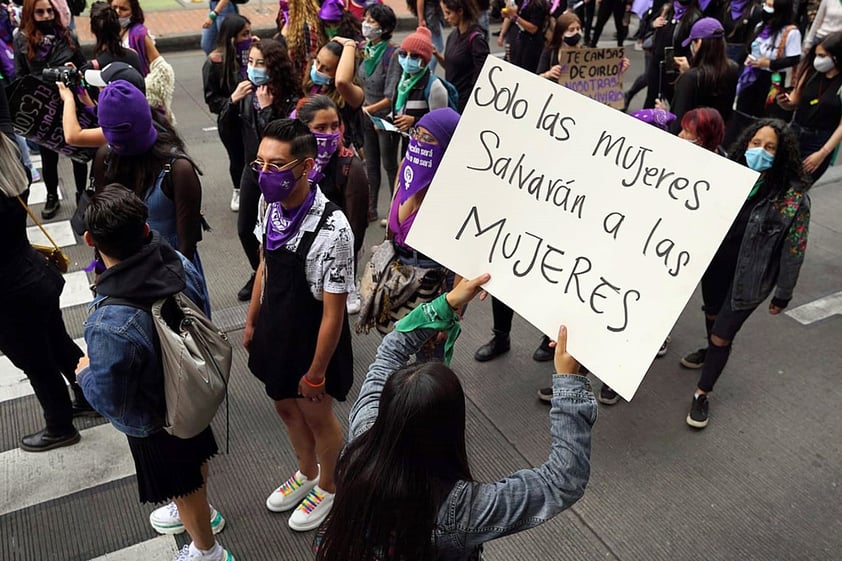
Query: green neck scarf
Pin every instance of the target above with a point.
(405, 85)
(373, 54)
(436, 315)
(755, 189)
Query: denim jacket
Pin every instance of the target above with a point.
(772, 250)
(474, 513)
(125, 380)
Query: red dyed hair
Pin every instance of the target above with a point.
(33, 36)
(707, 124)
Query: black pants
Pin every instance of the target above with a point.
(33, 336)
(586, 13)
(380, 148)
(232, 139)
(49, 171)
(247, 216)
(607, 8)
(502, 315)
(810, 141)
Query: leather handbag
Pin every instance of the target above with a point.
(53, 253)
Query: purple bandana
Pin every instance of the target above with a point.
(419, 166)
(242, 49)
(326, 145)
(283, 224)
(737, 7)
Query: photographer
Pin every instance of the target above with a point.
(44, 43)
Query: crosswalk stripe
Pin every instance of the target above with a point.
(13, 382)
(61, 232)
(28, 479)
(38, 193)
(162, 547)
(77, 290)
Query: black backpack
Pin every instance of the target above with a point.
(77, 6)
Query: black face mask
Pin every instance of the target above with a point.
(46, 27)
(573, 40)
(685, 3)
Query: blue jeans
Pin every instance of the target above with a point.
(24, 151)
(433, 17)
(209, 34)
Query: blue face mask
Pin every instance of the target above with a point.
(410, 65)
(319, 78)
(257, 76)
(759, 159)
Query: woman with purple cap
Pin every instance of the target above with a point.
(338, 22)
(710, 80)
(428, 142)
(153, 164)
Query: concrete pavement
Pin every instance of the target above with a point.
(762, 482)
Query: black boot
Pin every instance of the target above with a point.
(244, 295)
(498, 345)
(50, 207)
(81, 407)
(543, 353)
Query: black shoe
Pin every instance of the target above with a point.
(498, 345)
(44, 440)
(81, 407)
(496, 33)
(50, 207)
(607, 396)
(694, 360)
(698, 415)
(244, 295)
(545, 394)
(544, 353)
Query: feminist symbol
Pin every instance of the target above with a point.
(408, 176)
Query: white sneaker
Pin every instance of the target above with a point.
(352, 304)
(192, 553)
(312, 511)
(384, 222)
(291, 492)
(235, 200)
(165, 520)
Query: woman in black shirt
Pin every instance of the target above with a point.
(530, 16)
(467, 47)
(818, 106)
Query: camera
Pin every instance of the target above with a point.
(68, 75)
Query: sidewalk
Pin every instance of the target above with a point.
(180, 27)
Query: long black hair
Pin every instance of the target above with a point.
(231, 27)
(787, 169)
(782, 17)
(392, 480)
(832, 43)
(283, 82)
(713, 64)
(105, 26)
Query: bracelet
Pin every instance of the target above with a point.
(312, 385)
(212, 15)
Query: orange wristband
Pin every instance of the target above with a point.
(311, 384)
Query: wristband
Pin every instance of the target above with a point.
(312, 385)
(212, 15)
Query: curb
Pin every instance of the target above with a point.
(191, 41)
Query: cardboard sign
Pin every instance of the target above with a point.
(583, 215)
(36, 115)
(594, 73)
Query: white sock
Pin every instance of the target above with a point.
(210, 551)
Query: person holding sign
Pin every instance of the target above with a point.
(763, 249)
(404, 483)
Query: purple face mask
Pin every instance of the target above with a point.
(326, 145)
(276, 186)
(420, 165)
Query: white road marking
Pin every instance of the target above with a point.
(61, 232)
(28, 479)
(817, 310)
(77, 290)
(38, 193)
(162, 547)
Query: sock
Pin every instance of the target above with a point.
(210, 551)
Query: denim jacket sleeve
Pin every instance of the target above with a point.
(481, 512)
(392, 355)
(793, 248)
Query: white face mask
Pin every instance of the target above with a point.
(823, 64)
(768, 9)
(125, 22)
(371, 32)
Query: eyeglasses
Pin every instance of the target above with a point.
(259, 165)
(44, 12)
(417, 134)
(404, 53)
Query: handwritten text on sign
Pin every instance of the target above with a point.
(582, 215)
(594, 73)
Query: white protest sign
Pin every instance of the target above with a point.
(583, 215)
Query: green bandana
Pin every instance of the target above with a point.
(405, 85)
(755, 188)
(434, 315)
(373, 54)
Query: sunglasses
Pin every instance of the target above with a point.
(259, 165)
(404, 53)
(417, 134)
(44, 12)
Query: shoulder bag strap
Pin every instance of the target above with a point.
(32, 216)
